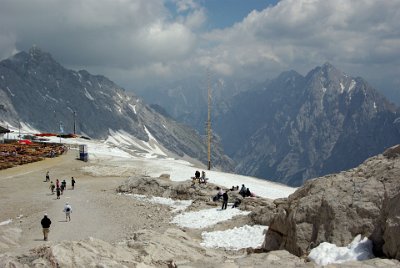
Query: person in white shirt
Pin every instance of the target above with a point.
(68, 211)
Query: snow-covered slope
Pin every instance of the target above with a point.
(36, 90)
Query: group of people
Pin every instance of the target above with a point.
(198, 178)
(59, 188)
(244, 192)
(222, 194)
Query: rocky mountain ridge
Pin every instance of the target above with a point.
(295, 128)
(38, 91)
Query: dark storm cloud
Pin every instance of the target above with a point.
(137, 41)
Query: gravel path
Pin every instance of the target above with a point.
(97, 210)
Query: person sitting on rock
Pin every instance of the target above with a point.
(203, 178)
(248, 193)
(218, 195)
(243, 191)
(237, 203)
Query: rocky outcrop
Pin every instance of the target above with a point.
(148, 248)
(336, 208)
(388, 230)
(150, 186)
(201, 195)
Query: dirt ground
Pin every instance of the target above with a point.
(97, 210)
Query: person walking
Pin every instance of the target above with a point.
(73, 183)
(64, 183)
(47, 176)
(58, 191)
(224, 200)
(45, 222)
(68, 210)
(52, 187)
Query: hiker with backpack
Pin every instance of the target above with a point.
(68, 210)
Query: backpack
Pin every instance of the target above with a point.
(68, 210)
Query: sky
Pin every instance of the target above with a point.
(139, 43)
(108, 159)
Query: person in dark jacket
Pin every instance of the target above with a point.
(73, 182)
(46, 222)
(242, 191)
(225, 199)
(248, 193)
(58, 191)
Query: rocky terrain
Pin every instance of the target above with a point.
(335, 208)
(109, 229)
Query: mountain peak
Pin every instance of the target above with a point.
(327, 65)
(38, 55)
(327, 71)
(34, 51)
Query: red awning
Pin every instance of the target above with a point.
(24, 142)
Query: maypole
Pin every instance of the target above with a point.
(209, 122)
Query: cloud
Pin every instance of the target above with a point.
(140, 42)
(300, 34)
(119, 33)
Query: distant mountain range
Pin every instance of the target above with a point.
(295, 127)
(288, 129)
(187, 100)
(39, 92)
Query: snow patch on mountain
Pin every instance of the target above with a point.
(87, 94)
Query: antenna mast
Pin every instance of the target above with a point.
(209, 122)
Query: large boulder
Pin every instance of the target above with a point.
(336, 208)
(387, 232)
